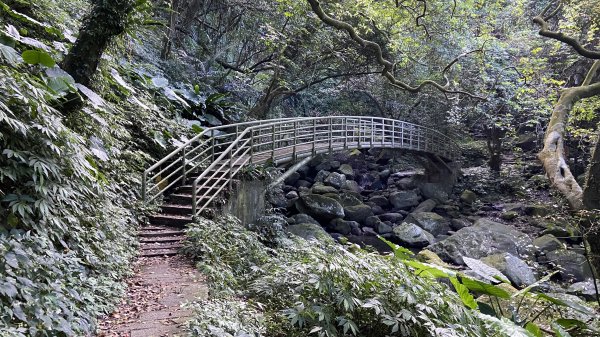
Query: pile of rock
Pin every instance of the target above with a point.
(361, 200)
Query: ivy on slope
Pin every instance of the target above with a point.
(64, 242)
(306, 288)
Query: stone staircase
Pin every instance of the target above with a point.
(163, 234)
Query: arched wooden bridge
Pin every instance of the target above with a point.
(196, 173)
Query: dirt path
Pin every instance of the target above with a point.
(152, 307)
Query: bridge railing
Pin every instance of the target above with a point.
(195, 154)
(287, 140)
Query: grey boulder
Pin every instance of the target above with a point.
(431, 222)
(411, 235)
(484, 238)
(320, 207)
(404, 199)
(517, 271)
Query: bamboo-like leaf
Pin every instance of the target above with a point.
(464, 294)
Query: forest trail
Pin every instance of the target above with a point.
(156, 292)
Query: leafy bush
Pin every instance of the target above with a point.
(305, 287)
(226, 252)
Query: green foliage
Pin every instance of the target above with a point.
(38, 57)
(227, 253)
(304, 288)
(65, 243)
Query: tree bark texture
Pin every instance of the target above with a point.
(553, 156)
(106, 20)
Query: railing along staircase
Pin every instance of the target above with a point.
(196, 175)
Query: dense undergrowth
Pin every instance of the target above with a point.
(300, 288)
(69, 205)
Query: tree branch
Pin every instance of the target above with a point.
(590, 75)
(388, 67)
(541, 20)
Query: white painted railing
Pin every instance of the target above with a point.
(218, 154)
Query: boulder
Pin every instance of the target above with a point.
(346, 170)
(341, 226)
(303, 183)
(380, 200)
(584, 289)
(404, 199)
(547, 243)
(351, 185)
(537, 210)
(484, 238)
(292, 178)
(457, 224)
(291, 195)
(335, 179)
(358, 213)
(517, 271)
(372, 221)
(434, 191)
(425, 206)
(468, 197)
(319, 188)
(276, 197)
(411, 235)
(321, 175)
(320, 207)
(368, 231)
(309, 231)
(349, 199)
(325, 166)
(334, 164)
(406, 183)
(383, 228)
(509, 215)
(573, 266)
(303, 218)
(392, 217)
(431, 222)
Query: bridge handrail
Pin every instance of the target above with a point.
(211, 133)
(226, 175)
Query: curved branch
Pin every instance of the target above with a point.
(388, 67)
(541, 20)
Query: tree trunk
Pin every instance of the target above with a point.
(106, 20)
(591, 191)
(553, 156)
(494, 145)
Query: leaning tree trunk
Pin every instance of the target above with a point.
(553, 154)
(106, 20)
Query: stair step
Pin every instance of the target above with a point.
(154, 234)
(170, 220)
(158, 239)
(161, 246)
(155, 228)
(177, 209)
(159, 252)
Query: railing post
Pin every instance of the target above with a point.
(251, 146)
(294, 152)
(314, 137)
(273, 143)
(330, 134)
(144, 186)
(393, 133)
(194, 197)
(237, 134)
(183, 167)
(230, 174)
(345, 128)
(359, 132)
(372, 130)
(212, 147)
